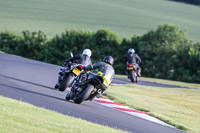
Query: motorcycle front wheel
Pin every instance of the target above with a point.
(84, 95)
(68, 81)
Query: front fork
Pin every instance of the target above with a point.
(61, 75)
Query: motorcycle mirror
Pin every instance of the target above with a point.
(71, 54)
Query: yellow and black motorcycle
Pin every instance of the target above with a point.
(86, 87)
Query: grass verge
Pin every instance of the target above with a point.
(20, 117)
(175, 106)
(164, 81)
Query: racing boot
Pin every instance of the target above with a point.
(56, 86)
(139, 72)
(100, 92)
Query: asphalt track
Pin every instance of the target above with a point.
(33, 81)
(118, 80)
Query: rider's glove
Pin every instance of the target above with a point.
(66, 63)
(86, 68)
(89, 67)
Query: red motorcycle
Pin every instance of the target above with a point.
(132, 71)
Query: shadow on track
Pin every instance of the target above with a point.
(27, 82)
(24, 90)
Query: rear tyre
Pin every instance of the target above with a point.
(84, 95)
(67, 82)
(132, 76)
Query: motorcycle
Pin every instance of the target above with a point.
(85, 88)
(132, 68)
(68, 75)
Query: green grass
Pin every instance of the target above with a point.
(125, 18)
(164, 81)
(20, 117)
(178, 107)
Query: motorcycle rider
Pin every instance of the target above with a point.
(83, 59)
(132, 58)
(105, 70)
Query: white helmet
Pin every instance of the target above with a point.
(131, 50)
(87, 52)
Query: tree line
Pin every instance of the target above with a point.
(194, 2)
(166, 52)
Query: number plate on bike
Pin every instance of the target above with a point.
(76, 71)
(130, 68)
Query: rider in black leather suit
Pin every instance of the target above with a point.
(83, 59)
(132, 58)
(105, 70)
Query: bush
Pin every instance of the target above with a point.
(165, 52)
(29, 45)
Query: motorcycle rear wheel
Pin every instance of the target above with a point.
(67, 82)
(84, 95)
(132, 76)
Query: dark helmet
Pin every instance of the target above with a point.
(108, 59)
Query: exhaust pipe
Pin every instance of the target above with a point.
(99, 91)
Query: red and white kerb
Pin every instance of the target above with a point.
(126, 109)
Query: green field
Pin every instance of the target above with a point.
(125, 18)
